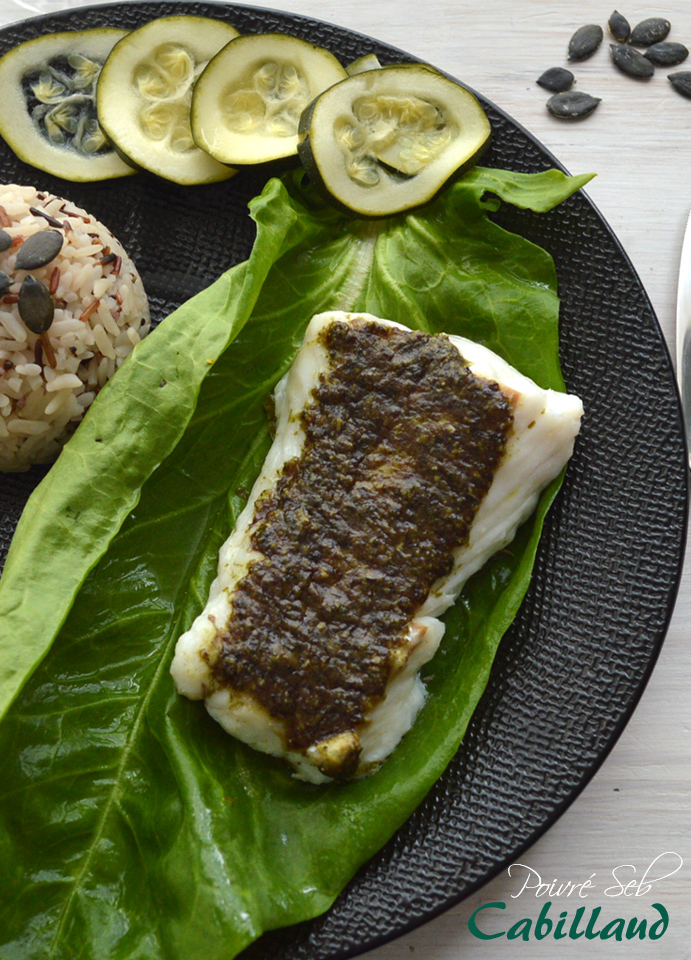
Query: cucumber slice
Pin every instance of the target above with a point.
(48, 105)
(370, 61)
(248, 101)
(387, 140)
(145, 92)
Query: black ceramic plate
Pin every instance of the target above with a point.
(573, 665)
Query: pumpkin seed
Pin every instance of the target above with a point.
(36, 307)
(650, 31)
(5, 241)
(585, 42)
(572, 105)
(681, 82)
(667, 54)
(631, 62)
(39, 250)
(556, 79)
(5, 283)
(619, 27)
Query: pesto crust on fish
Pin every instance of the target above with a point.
(401, 462)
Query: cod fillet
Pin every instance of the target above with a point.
(401, 462)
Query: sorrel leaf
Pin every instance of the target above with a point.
(130, 824)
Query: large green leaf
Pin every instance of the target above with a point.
(131, 825)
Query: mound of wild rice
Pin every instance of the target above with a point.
(48, 381)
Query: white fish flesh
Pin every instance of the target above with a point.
(537, 445)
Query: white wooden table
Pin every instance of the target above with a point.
(639, 142)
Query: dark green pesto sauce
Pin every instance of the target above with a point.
(402, 442)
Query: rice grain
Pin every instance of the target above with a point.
(47, 383)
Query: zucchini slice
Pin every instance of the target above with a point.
(145, 92)
(248, 101)
(386, 140)
(48, 104)
(370, 61)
